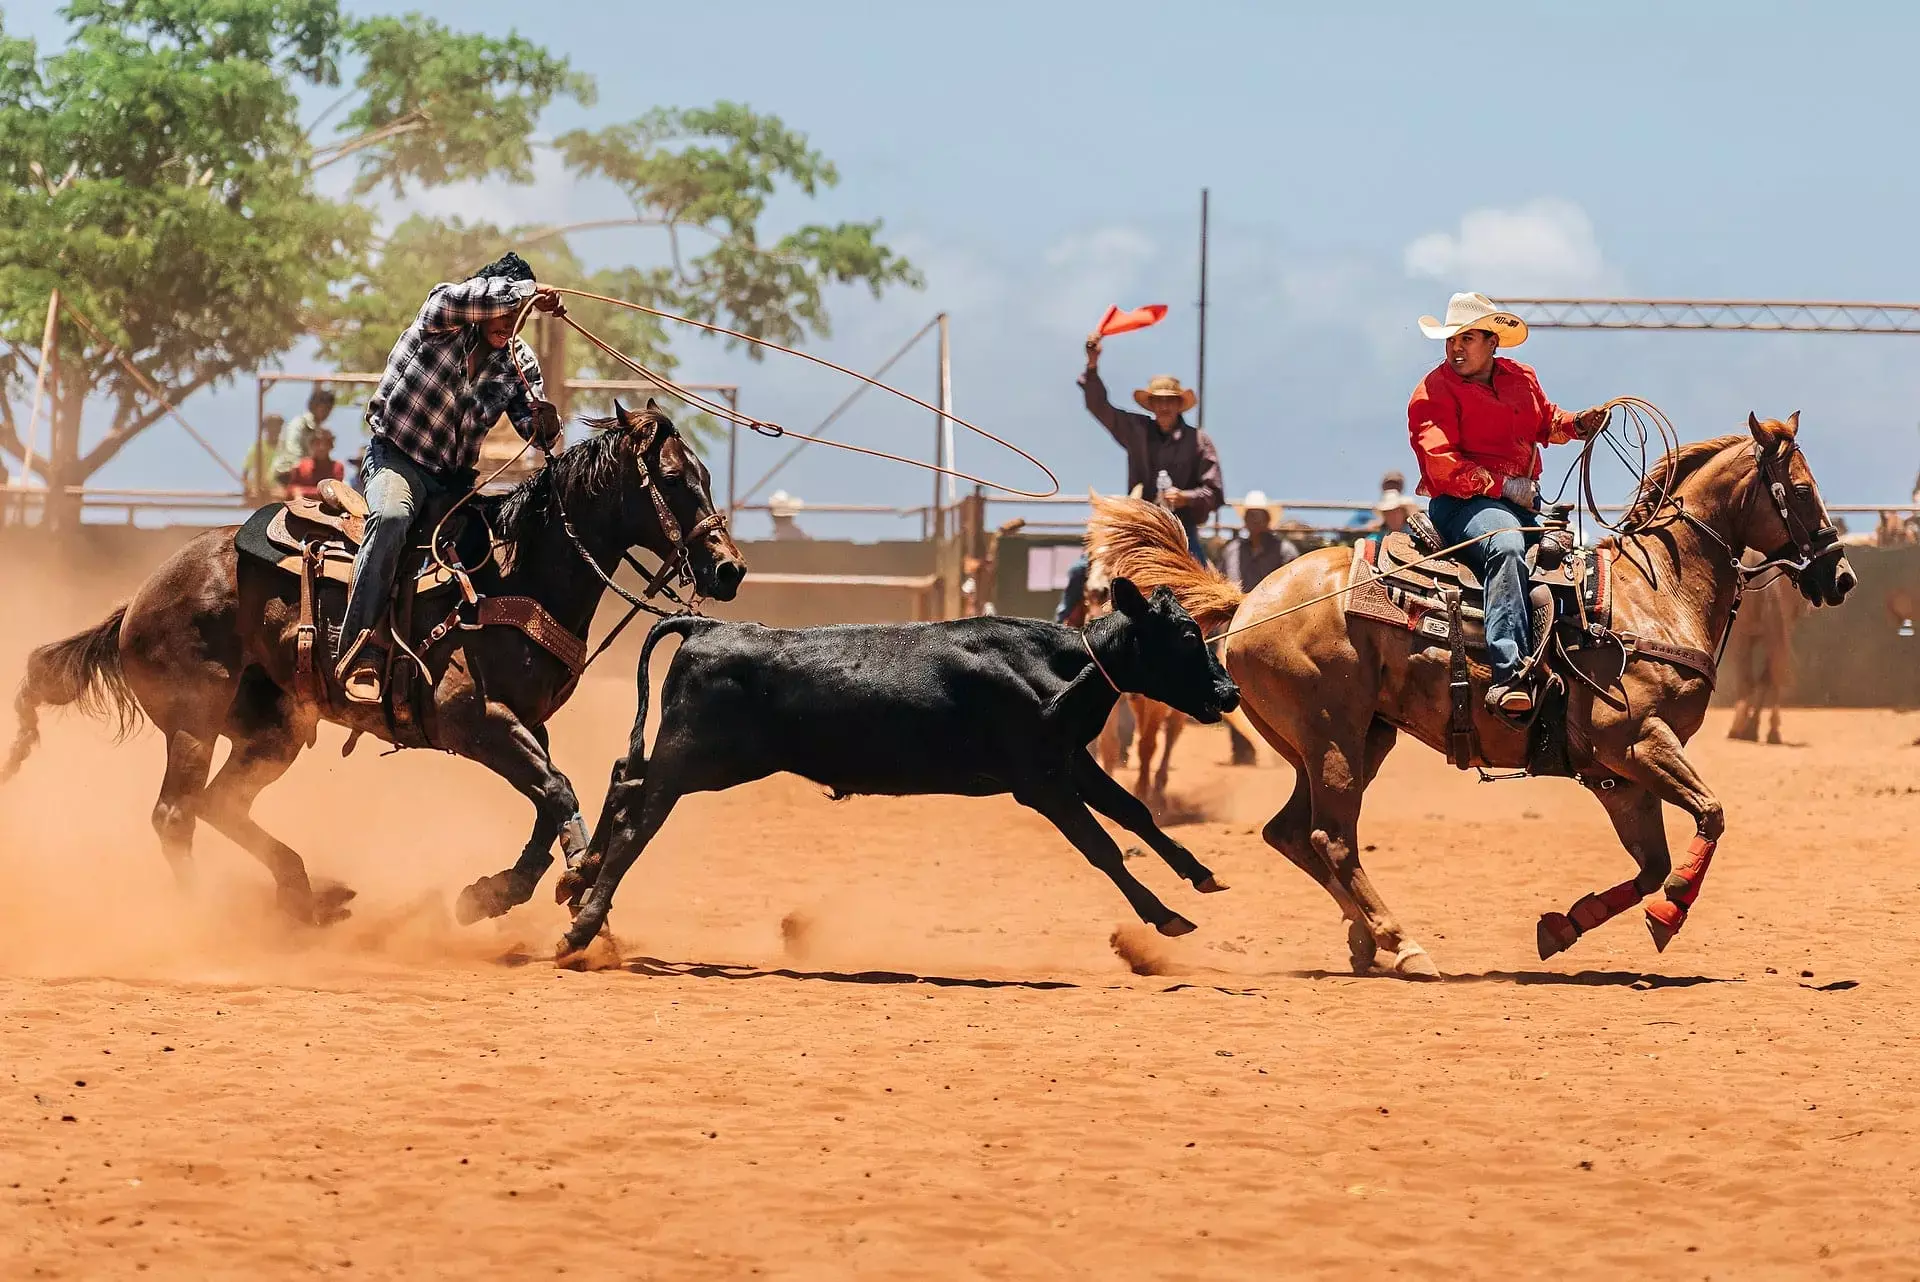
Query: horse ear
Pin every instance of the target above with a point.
(653, 406)
(1126, 598)
(619, 412)
(1760, 436)
(1793, 423)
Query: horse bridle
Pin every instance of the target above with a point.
(675, 565)
(1803, 549)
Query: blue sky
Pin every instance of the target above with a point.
(1042, 160)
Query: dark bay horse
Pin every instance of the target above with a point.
(1332, 694)
(206, 648)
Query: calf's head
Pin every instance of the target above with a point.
(1157, 650)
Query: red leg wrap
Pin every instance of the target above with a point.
(1666, 916)
(1592, 910)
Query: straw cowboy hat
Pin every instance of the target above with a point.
(1165, 385)
(1476, 311)
(783, 504)
(1259, 499)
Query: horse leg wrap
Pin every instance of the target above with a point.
(1666, 916)
(1557, 932)
(573, 840)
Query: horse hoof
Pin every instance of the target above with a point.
(480, 900)
(1555, 934)
(1413, 963)
(330, 902)
(1361, 947)
(567, 957)
(1211, 886)
(1664, 920)
(1176, 926)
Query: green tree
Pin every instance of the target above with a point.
(158, 175)
(703, 179)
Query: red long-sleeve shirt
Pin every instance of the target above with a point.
(1470, 437)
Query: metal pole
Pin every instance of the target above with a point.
(49, 357)
(946, 407)
(261, 459)
(733, 453)
(1200, 376)
(940, 434)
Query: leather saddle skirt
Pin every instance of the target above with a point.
(275, 535)
(1394, 582)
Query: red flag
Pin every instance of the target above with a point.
(1119, 322)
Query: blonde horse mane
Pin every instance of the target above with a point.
(1137, 540)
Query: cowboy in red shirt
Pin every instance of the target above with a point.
(1477, 423)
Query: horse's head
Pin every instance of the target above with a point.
(672, 477)
(1164, 657)
(1788, 517)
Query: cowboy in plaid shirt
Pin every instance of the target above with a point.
(453, 373)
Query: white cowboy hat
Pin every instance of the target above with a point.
(1165, 385)
(1476, 311)
(1259, 499)
(1394, 501)
(781, 503)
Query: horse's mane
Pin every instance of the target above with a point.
(591, 469)
(1674, 467)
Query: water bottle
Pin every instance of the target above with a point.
(1161, 484)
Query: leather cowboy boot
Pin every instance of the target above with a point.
(362, 669)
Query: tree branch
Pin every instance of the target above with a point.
(116, 440)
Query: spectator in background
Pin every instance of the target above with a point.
(1171, 462)
(1393, 509)
(296, 438)
(358, 462)
(785, 508)
(1259, 549)
(257, 470)
(303, 481)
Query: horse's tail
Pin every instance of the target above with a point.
(1140, 541)
(83, 669)
(680, 625)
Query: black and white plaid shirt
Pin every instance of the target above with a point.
(427, 406)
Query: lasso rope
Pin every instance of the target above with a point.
(769, 428)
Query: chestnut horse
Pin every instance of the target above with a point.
(1759, 657)
(206, 648)
(1332, 694)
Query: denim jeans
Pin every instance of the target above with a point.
(397, 488)
(1074, 593)
(1501, 563)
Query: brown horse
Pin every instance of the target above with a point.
(1151, 719)
(206, 648)
(1332, 695)
(1760, 656)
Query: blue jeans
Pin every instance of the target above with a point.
(1501, 563)
(1194, 545)
(1074, 593)
(397, 488)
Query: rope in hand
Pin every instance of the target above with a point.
(1642, 417)
(768, 428)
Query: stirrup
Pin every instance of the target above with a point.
(1501, 697)
(360, 670)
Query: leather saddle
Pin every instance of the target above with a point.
(333, 525)
(1403, 584)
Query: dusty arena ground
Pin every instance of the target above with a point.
(941, 1069)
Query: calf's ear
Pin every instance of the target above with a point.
(1126, 598)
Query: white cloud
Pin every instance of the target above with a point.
(1543, 246)
(1088, 271)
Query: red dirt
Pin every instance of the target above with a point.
(891, 1038)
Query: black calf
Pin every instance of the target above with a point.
(973, 707)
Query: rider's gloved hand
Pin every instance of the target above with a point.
(547, 427)
(1522, 491)
(1587, 422)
